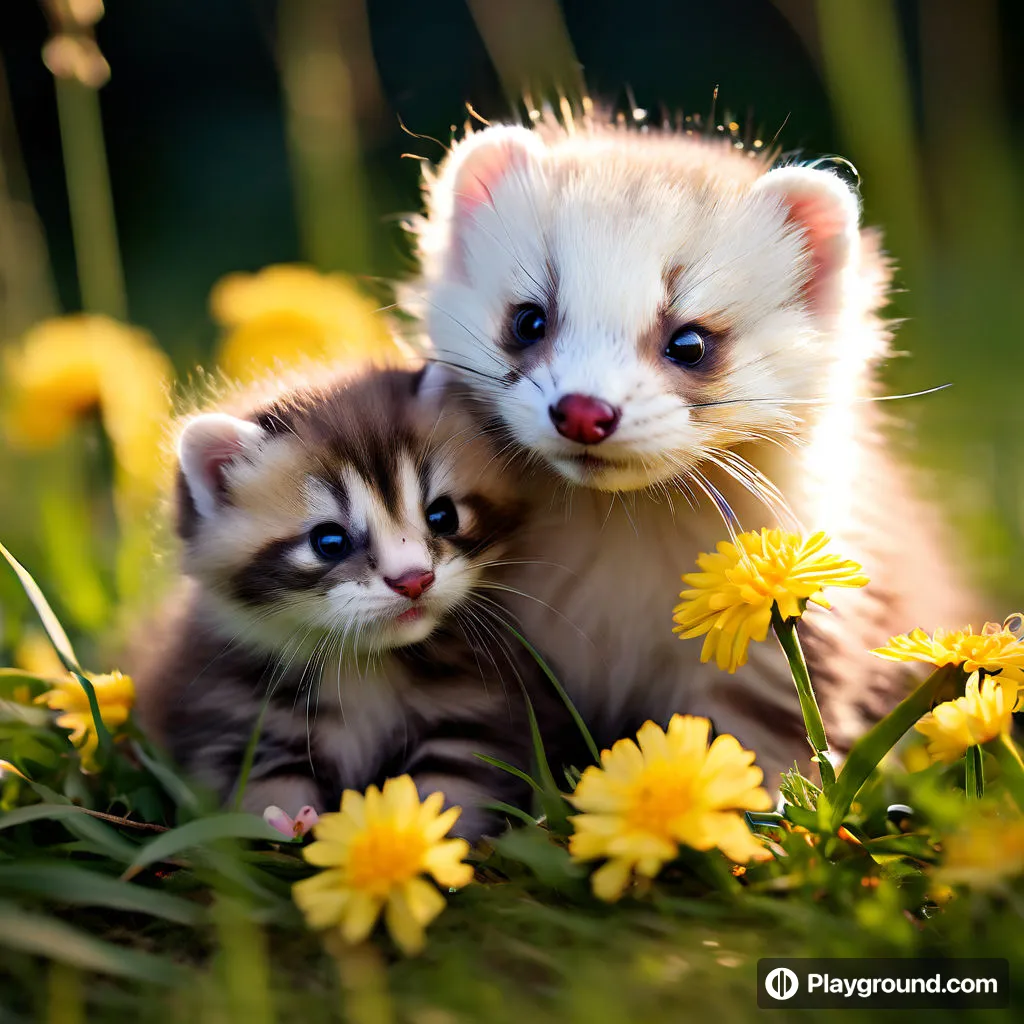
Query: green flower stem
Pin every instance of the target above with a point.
(93, 227)
(868, 751)
(974, 775)
(785, 630)
(1004, 750)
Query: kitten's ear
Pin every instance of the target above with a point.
(827, 213)
(207, 446)
(477, 168)
(431, 386)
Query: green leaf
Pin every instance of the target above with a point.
(54, 630)
(66, 883)
(235, 825)
(533, 847)
(46, 936)
(77, 821)
(801, 816)
(511, 769)
(869, 750)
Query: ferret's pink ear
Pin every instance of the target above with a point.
(827, 213)
(207, 446)
(479, 165)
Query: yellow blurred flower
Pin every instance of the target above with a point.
(286, 314)
(996, 649)
(34, 653)
(731, 599)
(374, 853)
(115, 695)
(68, 366)
(984, 853)
(666, 789)
(984, 712)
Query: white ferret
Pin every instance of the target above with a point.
(635, 313)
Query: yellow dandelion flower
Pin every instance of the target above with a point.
(984, 712)
(286, 314)
(667, 788)
(984, 853)
(69, 366)
(730, 601)
(374, 853)
(115, 695)
(996, 649)
(34, 653)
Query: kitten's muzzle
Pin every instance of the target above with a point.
(584, 419)
(412, 584)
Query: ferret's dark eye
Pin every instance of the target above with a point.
(330, 542)
(686, 347)
(529, 324)
(442, 518)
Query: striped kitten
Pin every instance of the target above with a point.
(332, 540)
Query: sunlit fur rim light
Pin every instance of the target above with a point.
(984, 712)
(666, 789)
(996, 649)
(374, 854)
(730, 601)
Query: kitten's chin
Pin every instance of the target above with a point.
(411, 627)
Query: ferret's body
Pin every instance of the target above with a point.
(646, 320)
(334, 540)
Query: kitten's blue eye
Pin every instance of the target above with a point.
(442, 518)
(686, 347)
(529, 324)
(330, 542)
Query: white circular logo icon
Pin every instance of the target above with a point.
(782, 983)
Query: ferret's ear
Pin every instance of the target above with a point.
(478, 166)
(827, 213)
(207, 446)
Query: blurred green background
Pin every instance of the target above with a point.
(241, 133)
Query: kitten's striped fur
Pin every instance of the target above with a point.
(355, 695)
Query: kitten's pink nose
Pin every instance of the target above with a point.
(584, 419)
(411, 584)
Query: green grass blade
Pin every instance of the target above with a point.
(47, 937)
(250, 755)
(509, 811)
(176, 788)
(869, 750)
(560, 690)
(551, 797)
(201, 832)
(54, 630)
(77, 821)
(1011, 768)
(974, 774)
(511, 769)
(61, 643)
(66, 883)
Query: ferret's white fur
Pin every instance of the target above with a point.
(618, 229)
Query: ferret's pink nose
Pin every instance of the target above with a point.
(584, 419)
(411, 584)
